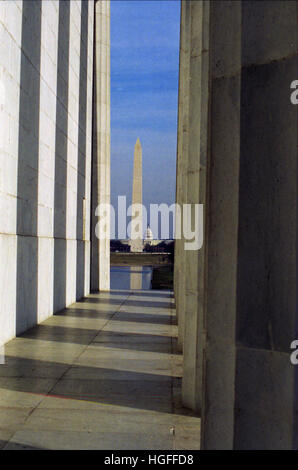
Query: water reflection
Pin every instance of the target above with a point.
(131, 277)
(136, 278)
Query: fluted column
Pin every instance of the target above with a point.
(100, 258)
(196, 194)
(182, 158)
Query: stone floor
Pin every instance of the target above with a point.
(102, 374)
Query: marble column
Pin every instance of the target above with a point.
(182, 160)
(250, 385)
(196, 194)
(239, 299)
(100, 251)
(221, 243)
(266, 394)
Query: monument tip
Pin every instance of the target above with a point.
(138, 142)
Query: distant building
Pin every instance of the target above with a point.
(149, 244)
(149, 236)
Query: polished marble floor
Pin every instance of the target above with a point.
(102, 374)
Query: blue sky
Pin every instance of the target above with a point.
(144, 96)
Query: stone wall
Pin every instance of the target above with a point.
(46, 79)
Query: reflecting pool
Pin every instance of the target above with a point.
(131, 277)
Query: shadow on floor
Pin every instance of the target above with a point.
(142, 293)
(129, 303)
(144, 391)
(17, 446)
(112, 339)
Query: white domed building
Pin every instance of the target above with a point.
(148, 237)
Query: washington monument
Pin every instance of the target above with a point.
(136, 242)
